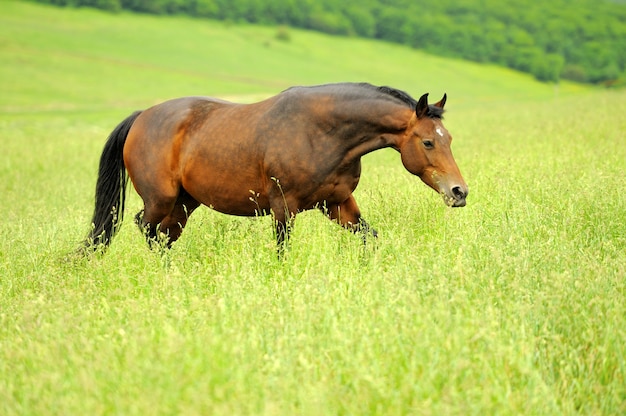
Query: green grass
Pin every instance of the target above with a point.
(511, 305)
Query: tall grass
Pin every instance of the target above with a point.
(511, 305)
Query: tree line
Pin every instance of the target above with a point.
(582, 40)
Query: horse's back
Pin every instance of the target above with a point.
(161, 121)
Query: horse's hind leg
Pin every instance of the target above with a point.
(154, 212)
(168, 216)
(173, 224)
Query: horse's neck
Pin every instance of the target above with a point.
(371, 125)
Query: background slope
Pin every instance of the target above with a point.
(68, 58)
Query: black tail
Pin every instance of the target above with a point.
(110, 187)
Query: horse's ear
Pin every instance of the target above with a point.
(442, 102)
(421, 110)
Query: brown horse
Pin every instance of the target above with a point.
(298, 150)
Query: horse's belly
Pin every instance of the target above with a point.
(241, 205)
(333, 193)
(233, 193)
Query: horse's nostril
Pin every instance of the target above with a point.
(458, 192)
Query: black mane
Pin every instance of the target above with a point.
(399, 95)
(433, 111)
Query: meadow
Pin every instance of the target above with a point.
(514, 304)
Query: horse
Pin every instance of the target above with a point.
(295, 151)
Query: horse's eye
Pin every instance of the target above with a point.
(428, 144)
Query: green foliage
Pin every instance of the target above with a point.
(282, 34)
(589, 36)
(511, 305)
(548, 68)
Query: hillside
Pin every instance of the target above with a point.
(87, 60)
(582, 40)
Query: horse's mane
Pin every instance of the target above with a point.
(398, 95)
(433, 111)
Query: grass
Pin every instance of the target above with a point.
(511, 305)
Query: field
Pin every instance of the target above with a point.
(514, 304)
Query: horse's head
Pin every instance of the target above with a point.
(425, 151)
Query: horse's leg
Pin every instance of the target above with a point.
(348, 215)
(167, 216)
(172, 225)
(283, 222)
(155, 210)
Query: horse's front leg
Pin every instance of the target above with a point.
(283, 223)
(348, 215)
(282, 231)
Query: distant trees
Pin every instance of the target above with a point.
(583, 40)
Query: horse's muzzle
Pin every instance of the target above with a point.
(456, 197)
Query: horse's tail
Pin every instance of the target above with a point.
(110, 187)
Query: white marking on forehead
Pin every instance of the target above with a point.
(439, 131)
